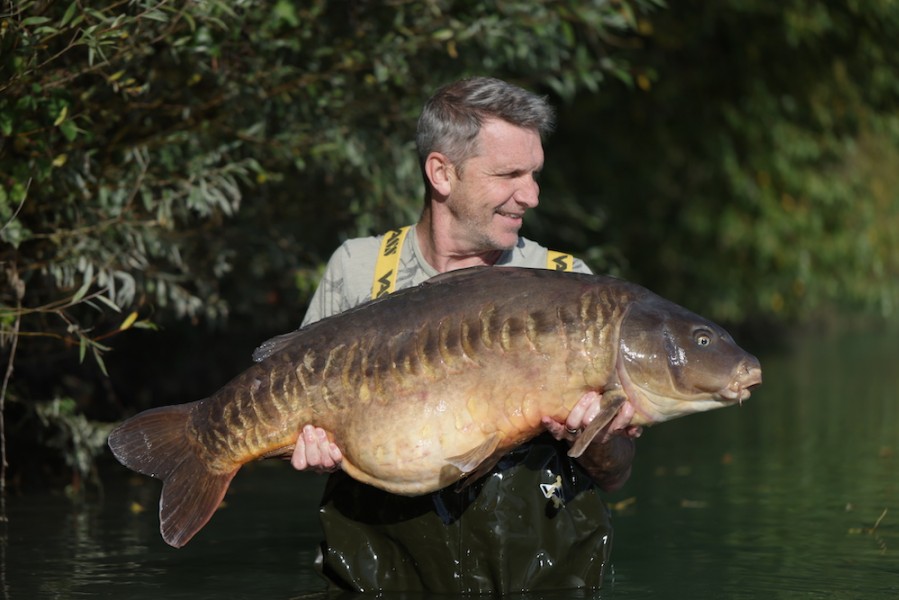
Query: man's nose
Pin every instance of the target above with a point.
(528, 194)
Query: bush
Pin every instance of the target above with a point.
(194, 162)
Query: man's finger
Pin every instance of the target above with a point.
(584, 411)
(594, 406)
(336, 454)
(298, 458)
(313, 453)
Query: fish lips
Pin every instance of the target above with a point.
(747, 377)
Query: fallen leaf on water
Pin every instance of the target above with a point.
(623, 504)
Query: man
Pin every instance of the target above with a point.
(536, 521)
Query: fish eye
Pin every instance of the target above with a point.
(702, 337)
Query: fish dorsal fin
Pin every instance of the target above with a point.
(274, 345)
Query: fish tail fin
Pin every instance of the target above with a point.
(156, 442)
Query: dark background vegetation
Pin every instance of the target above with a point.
(173, 175)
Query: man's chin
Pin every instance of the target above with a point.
(505, 239)
(506, 242)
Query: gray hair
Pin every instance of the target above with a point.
(452, 118)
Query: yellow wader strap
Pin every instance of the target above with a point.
(388, 262)
(559, 261)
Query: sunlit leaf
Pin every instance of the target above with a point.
(61, 116)
(128, 322)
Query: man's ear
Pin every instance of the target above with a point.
(440, 172)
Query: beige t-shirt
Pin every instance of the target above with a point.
(347, 280)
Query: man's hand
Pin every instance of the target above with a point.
(609, 457)
(314, 451)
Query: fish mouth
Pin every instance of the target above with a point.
(748, 378)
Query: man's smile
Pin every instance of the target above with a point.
(510, 215)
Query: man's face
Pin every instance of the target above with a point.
(496, 187)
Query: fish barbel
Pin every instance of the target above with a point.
(436, 382)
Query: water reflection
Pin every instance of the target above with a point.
(796, 493)
(109, 545)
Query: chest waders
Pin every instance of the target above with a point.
(536, 522)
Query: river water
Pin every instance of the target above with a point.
(795, 494)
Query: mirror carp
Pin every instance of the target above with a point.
(436, 382)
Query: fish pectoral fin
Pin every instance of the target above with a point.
(472, 459)
(477, 462)
(484, 468)
(611, 401)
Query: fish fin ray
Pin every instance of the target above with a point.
(484, 468)
(612, 401)
(274, 345)
(476, 462)
(469, 461)
(156, 443)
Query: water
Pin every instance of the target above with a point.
(793, 495)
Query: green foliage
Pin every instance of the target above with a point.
(752, 170)
(134, 129)
(78, 440)
(199, 160)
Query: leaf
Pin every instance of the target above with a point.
(109, 303)
(442, 35)
(128, 322)
(285, 11)
(157, 15)
(35, 21)
(99, 358)
(88, 280)
(6, 123)
(69, 14)
(145, 324)
(69, 130)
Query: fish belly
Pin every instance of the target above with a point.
(417, 439)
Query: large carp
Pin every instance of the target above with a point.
(436, 382)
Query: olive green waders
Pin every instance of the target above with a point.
(535, 522)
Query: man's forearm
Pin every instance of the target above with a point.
(609, 463)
